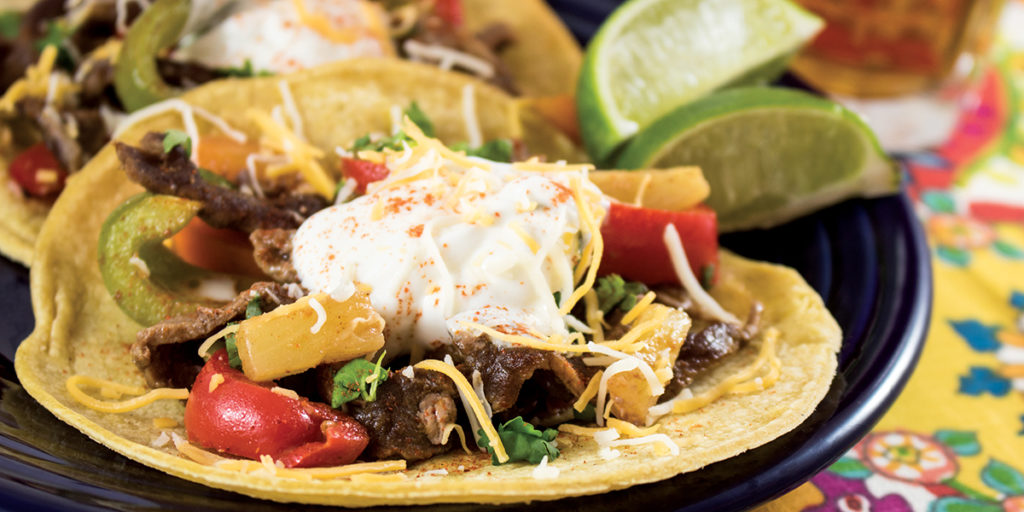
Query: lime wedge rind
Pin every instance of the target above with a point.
(822, 154)
(670, 64)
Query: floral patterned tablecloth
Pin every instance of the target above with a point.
(954, 440)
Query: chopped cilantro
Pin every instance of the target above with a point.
(215, 179)
(10, 24)
(358, 378)
(522, 441)
(558, 298)
(416, 115)
(366, 143)
(613, 290)
(173, 138)
(232, 347)
(253, 308)
(497, 150)
(707, 275)
(246, 71)
(57, 31)
(587, 415)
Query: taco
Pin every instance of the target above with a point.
(518, 357)
(71, 69)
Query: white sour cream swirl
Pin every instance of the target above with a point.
(488, 247)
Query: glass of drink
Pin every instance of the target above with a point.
(904, 64)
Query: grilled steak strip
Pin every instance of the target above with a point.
(160, 351)
(273, 253)
(174, 174)
(408, 417)
(505, 370)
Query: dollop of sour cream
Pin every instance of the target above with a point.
(273, 36)
(483, 246)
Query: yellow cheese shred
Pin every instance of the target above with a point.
(165, 422)
(592, 251)
(74, 383)
(527, 239)
(478, 409)
(595, 317)
(35, 82)
(731, 384)
(302, 154)
(321, 26)
(204, 348)
(588, 393)
(526, 340)
(630, 430)
(247, 466)
(639, 308)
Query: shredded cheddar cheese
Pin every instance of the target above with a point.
(75, 382)
(589, 393)
(164, 422)
(204, 348)
(639, 308)
(215, 382)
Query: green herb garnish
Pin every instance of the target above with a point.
(253, 307)
(246, 71)
(707, 275)
(358, 378)
(394, 142)
(10, 24)
(497, 150)
(612, 290)
(417, 116)
(522, 441)
(57, 32)
(215, 179)
(174, 138)
(231, 345)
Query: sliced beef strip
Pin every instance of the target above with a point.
(706, 346)
(174, 174)
(162, 366)
(408, 417)
(273, 253)
(485, 45)
(73, 135)
(504, 370)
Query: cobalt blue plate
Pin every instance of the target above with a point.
(867, 258)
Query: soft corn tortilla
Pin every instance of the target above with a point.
(81, 330)
(544, 61)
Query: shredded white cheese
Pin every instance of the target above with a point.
(408, 372)
(447, 57)
(321, 315)
(160, 440)
(475, 139)
(686, 278)
(291, 109)
(545, 472)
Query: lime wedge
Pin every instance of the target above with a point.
(652, 56)
(769, 154)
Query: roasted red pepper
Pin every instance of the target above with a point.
(634, 247)
(37, 172)
(247, 419)
(363, 171)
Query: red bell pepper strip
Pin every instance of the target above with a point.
(29, 170)
(363, 171)
(634, 247)
(247, 419)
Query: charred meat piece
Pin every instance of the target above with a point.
(273, 253)
(186, 74)
(485, 45)
(505, 370)
(160, 350)
(72, 135)
(707, 346)
(174, 174)
(408, 417)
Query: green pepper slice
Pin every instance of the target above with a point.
(136, 78)
(147, 280)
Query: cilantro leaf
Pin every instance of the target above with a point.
(215, 179)
(707, 275)
(522, 441)
(416, 115)
(366, 143)
(497, 150)
(612, 290)
(173, 138)
(10, 24)
(232, 347)
(57, 31)
(253, 307)
(245, 71)
(351, 383)
(587, 415)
